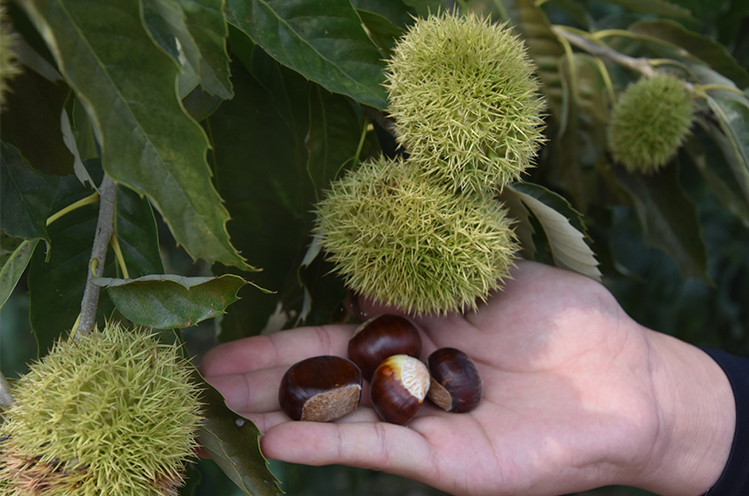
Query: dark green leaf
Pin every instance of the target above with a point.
(56, 286)
(335, 132)
(148, 142)
(395, 11)
(563, 227)
(703, 47)
(207, 25)
(200, 27)
(233, 443)
(707, 155)
(656, 7)
(731, 110)
(25, 196)
(261, 163)
(14, 267)
(31, 122)
(171, 301)
(324, 41)
(523, 227)
(382, 31)
(546, 51)
(135, 228)
(669, 219)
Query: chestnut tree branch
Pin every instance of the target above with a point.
(104, 231)
(641, 65)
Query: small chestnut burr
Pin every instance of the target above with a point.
(320, 389)
(399, 386)
(456, 385)
(381, 337)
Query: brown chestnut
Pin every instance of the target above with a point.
(399, 386)
(320, 389)
(456, 385)
(381, 337)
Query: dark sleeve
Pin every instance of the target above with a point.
(735, 478)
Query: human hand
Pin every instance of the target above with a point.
(576, 396)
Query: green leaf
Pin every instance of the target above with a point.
(135, 228)
(545, 50)
(14, 267)
(396, 12)
(31, 122)
(336, 130)
(201, 29)
(171, 301)
(523, 226)
(322, 40)
(563, 227)
(383, 32)
(207, 25)
(656, 7)
(233, 443)
(708, 157)
(731, 109)
(56, 286)
(703, 47)
(25, 196)
(148, 142)
(669, 220)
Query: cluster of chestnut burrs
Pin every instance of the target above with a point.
(385, 351)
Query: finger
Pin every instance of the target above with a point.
(279, 349)
(255, 392)
(373, 445)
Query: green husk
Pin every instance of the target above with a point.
(113, 412)
(466, 105)
(414, 243)
(649, 123)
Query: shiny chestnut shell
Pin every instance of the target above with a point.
(398, 388)
(320, 389)
(456, 385)
(381, 337)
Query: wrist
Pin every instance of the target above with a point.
(697, 418)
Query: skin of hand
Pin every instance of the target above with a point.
(577, 395)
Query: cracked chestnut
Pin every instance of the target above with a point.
(456, 385)
(398, 388)
(381, 337)
(320, 389)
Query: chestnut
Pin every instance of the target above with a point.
(320, 389)
(399, 386)
(456, 385)
(381, 337)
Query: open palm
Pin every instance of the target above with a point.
(568, 397)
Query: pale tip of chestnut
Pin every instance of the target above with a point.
(320, 389)
(456, 385)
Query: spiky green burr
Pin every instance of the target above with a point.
(113, 412)
(9, 66)
(649, 123)
(413, 243)
(465, 102)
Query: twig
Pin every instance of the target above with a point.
(104, 230)
(641, 65)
